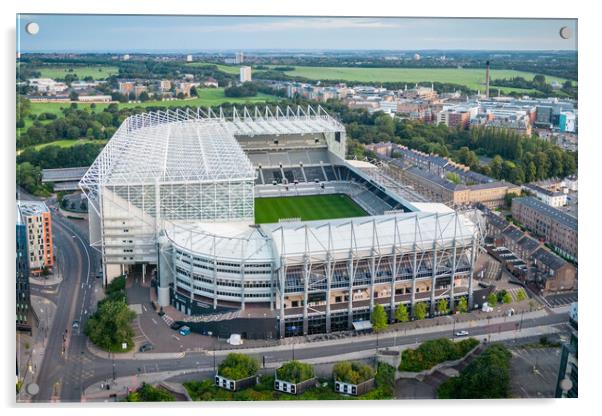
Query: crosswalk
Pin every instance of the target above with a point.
(514, 293)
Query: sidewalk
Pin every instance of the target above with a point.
(132, 355)
(45, 310)
(409, 331)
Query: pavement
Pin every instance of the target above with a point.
(32, 348)
(534, 372)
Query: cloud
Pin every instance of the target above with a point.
(280, 24)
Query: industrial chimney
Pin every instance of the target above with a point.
(487, 80)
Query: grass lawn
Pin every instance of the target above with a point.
(235, 69)
(96, 72)
(207, 97)
(471, 77)
(312, 207)
(66, 143)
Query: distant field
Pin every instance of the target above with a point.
(96, 72)
(66, 143)
(313, 207)
(224, 68)
(471, 77)
(207, 97)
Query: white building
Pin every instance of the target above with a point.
(94, 98)
(188, 58)
(552, 198)
(47, 85)
(245, 73)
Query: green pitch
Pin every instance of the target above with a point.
(312, 207)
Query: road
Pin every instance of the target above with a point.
(64, 376)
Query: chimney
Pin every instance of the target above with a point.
(487, 80)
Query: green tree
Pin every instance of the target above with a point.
(492, 299)
(295, 372)
(149, 393)
(420, 310)
(442, 306)
(73, 96)
(521, 295)
(238, 366)
(496, 166)
(379, 318)
(462, 305)
(110, 326)
(401, 313)
(507, 298)
(352, 372)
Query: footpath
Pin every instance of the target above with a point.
(31, 358)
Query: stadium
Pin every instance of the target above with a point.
(253, 222)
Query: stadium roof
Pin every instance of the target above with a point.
(225, 240)
(416, 230)
(183, 146)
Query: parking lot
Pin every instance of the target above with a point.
(561, 299)
(534, 372)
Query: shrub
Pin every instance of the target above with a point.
(295, 372)
(238, 366)
(420, 310)
(487, 377)
(431, 353)
(149, 393)
(352, 372)
(385, 378)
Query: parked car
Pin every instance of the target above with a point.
(75, 324)
(185, 330)
(176, 325)
(147, 346)
(461, 333)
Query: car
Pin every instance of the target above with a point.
(176, 325)
(461, 333)
(147, 346)
(75, 325)
(185, 330)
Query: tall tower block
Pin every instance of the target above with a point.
(487, 80)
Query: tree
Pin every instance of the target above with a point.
(492, 299)
(295, 372)
(420, 310)
(379, 318)
(238, 366)
(352, 372)
(462, 305)
(110, 326)
(521, 295)
(496, 166)
(401, 313)
(144, 96)
(194, 92)
(73, 96)
(507, 298)
(442, 306)
(149, 393)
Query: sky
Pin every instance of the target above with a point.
(103, 33)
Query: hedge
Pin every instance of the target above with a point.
(431, 353)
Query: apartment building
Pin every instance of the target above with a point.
(37, 219)
(556, 227)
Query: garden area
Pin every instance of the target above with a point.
(433, 352)
(240, 365)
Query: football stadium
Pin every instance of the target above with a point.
(251, 221)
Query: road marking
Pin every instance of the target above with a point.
(175, 336)
(155, 322)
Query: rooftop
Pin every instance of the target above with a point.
(31, 208)
(548, 258)
(547, 210)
